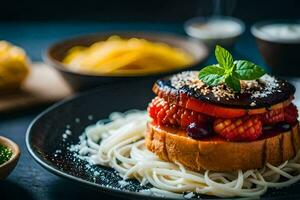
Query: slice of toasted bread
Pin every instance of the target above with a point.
(219, 155)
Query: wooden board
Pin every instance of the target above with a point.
(44, 85)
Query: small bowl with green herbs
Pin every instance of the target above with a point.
(9, 156)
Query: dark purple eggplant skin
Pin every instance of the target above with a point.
(284, 92)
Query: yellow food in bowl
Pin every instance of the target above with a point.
(14, 66)
(126, 57)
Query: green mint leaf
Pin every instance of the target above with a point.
(246, 70)
(223, 57)
(229, 71)
(233, 83)
(212, 75)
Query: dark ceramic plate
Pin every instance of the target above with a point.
(44, 138)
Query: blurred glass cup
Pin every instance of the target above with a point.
(222, 30)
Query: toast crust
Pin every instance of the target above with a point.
(219, 155)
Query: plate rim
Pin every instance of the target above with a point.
(57, 172)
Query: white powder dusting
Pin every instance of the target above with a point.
(123, 183)
(68, 132)
(58, 151)
(90, 117)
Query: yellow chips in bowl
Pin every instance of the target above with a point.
(126, 57)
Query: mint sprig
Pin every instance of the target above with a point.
(228, 71)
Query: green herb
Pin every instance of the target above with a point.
(228, 71)
(5, 154)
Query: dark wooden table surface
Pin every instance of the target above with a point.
(29, 180)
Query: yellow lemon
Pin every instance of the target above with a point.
(14, 66)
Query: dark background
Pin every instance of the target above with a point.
(144, 10)
(36, 24)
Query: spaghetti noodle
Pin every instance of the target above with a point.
(119, 143)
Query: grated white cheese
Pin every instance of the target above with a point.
(270, 86)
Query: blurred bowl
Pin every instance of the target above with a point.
(279, 44)
(82, 81)
(220, 30)
(7, 167)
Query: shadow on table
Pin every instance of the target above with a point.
(23, 112)
(64, 189)
(10, 190)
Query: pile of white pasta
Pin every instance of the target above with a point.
(119, 143)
